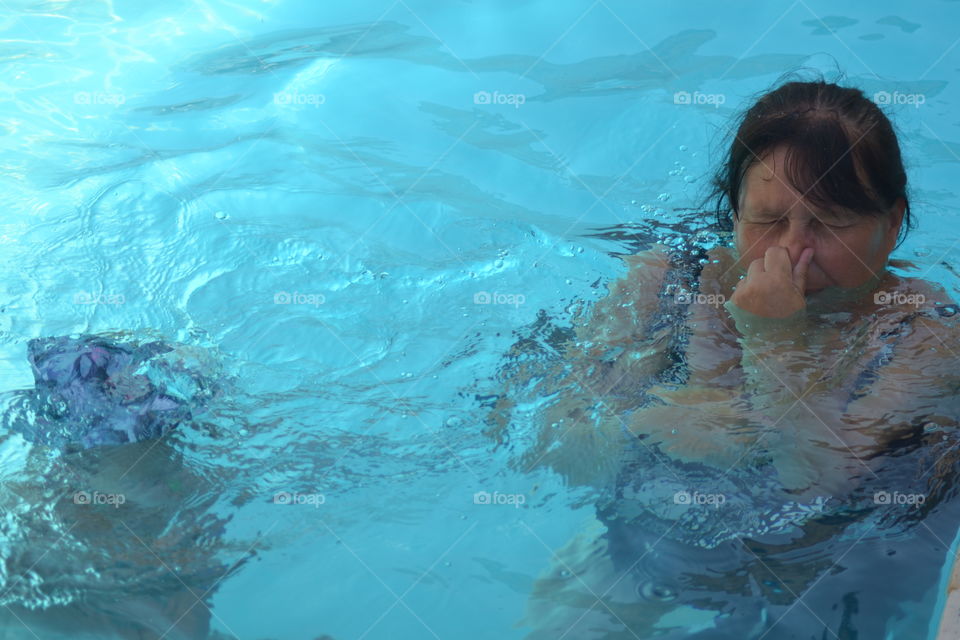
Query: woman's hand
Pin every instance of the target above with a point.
(773, 287)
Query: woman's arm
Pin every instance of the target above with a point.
(580, 432)
(802, 387)
(921, 384)
(793, 399)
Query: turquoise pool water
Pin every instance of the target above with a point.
(360, 209)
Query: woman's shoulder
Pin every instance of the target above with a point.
(920, 318)
(915, 295)
(719, 275)
(658, 255)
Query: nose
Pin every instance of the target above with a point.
(798, 236)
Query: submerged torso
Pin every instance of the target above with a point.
(854, 339)
(698, 534)
(693, 529)
(702, 410)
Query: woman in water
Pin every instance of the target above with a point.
(803, 363)
(800, 313)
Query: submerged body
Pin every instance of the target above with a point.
(650, 363)
(657, 404)
(115, 535)
(854, 361)
(769, 433)
(93, 390)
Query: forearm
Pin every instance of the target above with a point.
(779, 369)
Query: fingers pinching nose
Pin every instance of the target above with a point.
(800, 271)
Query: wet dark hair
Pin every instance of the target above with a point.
(831, 133)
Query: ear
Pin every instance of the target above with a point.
(896, 220)
(896, 215)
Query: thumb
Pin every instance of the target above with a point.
(800, 271)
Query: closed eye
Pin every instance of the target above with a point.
(833, 226)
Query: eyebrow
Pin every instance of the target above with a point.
(840, 215)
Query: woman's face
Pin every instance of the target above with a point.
(849, 249)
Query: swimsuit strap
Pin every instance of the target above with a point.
(682, 278)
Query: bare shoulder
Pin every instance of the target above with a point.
(656, 256)
(922, 376)
(720, 275)
(931, 345)
(917, 294)
(623, 316)
(641, 283)
(933, 293)
(942, 330)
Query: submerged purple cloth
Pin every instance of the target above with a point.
(92, 391)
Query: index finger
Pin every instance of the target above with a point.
(777, 259)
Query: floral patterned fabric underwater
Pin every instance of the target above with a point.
(92, 390)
